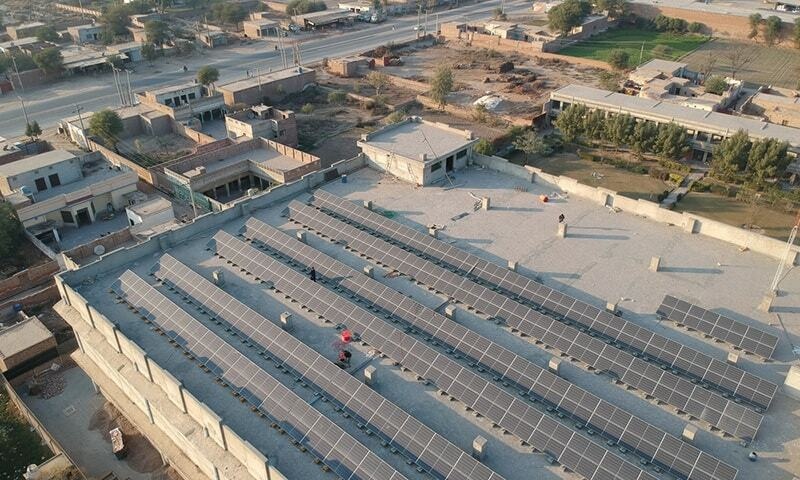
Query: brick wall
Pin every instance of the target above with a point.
(109, 242)
(28, 278)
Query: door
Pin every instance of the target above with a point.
(449, 164)
(83, 217)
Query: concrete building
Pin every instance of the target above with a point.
(325, 18)
(150, 214)
(185, 101)
(24, 30)
(261, 27)
(706, 128)
(140, 19)
(89, 33)
(213, 38)
(418, 151)
(57, 189)
(24, 345)
(228, 173)
(270, 86)
(80, 59)
(776, 105)
(352, 66)
(264, 122)
(128, 52)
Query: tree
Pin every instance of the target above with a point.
(609, 80)
(228, 12)
(568, 15)
(707, 64)
(797, 32)
(157, 32)
(716, 85)
(299, 7)
(755, 22)
(772, 30)
(739, 56)
(441, 85)
(661, 51)
(484, 147)
(695, 27)
(107, 125)
(672, 142)
(531, 144)
(115, 21)
(207, 75)
(11, 231)
(644, 137)
(33, 130)
(307, 109)
(570, 122)
(49, 60)
(149, 52)
(47, 34)
(594, 125)
(614, 8)
(730, 156)
(378, 81)
(184, 47)
(395, 117)
(619, 129)
(24, 62)
(337, 97)
(619, 59)
(767, 159)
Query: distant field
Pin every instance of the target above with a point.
(631, 40)
(770, 65)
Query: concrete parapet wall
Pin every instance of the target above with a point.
(255, 462)
(210, 421)
(30, 277)
(135, 354)
(169, 384)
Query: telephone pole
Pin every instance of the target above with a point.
(24, 112)
(78, 110)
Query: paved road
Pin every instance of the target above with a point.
(49, 104)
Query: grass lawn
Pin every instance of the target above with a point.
(631, 40)
(19, 446)
(772, 223)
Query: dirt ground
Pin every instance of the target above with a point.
(28, 256)
(148, 150)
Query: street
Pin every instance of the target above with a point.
(49, 104)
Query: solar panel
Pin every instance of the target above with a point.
(647, 377)
(343, 454)
(686, 359)
(360, 400)
(736, 333)
(653, 443)
(449, 376)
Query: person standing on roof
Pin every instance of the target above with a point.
(313, 275)
(561, 218)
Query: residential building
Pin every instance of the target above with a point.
(80, 59)
(139, 20)
(213, 38)
(25, 344)
(262, 121)
(128, 52)
(776, 105)
(150, 214)
(261, 27)
(238, 169)
(89, 33)
(353, 66)
(706, 128)
(185, 101)
(272, 85)
(418, 151)
(58, 189)
(24, 30)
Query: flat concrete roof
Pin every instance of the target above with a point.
(172, 88)
(35, 162)
(150, 207)
(22, 336)
(413, 138)
(665, 66)
(668, 111)
(246, 83)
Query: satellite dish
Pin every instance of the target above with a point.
(99, 250)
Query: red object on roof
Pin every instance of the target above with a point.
(346, 336)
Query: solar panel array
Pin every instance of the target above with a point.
(398, 428)
(728, 416)
(633, 432)
(676, 355)
(343, 454)
(718, 326)
(568, 447)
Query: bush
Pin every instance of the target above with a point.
(337, 97)
(307, 109)
(675, 178)
(663, 195)
(619, 59)
(676, 167)
(695, 27)
(299, 7)
(700, 187)
(716, 85)
(658, 173)
(663, 23)
(484, 147)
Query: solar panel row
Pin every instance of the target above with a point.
(659, 382)
(631, 431)
(718, 326)
(704, 367)
(343, 454)
(570, 448)
(420, 443)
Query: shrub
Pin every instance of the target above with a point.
(337, 97)
(484, 147)
(619, 59)
(695, 27)
(307, 108)
(675, 178)
(700, 187)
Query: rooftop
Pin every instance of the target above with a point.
(604, 245)
(21, 336)
(150, 207)
(246, 83)
(172, 88)
(664, 66)
(415, 137)
(35, 162)
(669, 111)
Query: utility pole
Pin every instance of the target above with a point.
(419, 17)
(116, 84)
(425, 28)
(131, 97)
(78, 110)
(641, 54)
(19, 79)
(24, 112)
(258, 76)
(779, 272)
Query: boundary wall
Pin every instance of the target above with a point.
(689, 222)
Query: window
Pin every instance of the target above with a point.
(66, 216)
(54, 180)
(41, 185)
(192, 96)
(461, 154)
(436, 166)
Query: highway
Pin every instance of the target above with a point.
(48, 104)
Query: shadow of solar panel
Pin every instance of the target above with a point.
(741, 383)
(338, 450)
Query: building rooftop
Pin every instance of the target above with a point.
(793, 102)
(21, 336)
(415, 137)
(35, 162)
(27, 25)
(668, 111)
(171, 88)
(151, 207)
(246, 83)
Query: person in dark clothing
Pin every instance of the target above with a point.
(313, 275)
(561, 218)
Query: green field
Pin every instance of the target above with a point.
(19, 446)
(631, 40)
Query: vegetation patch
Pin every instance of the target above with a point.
(630, 40)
